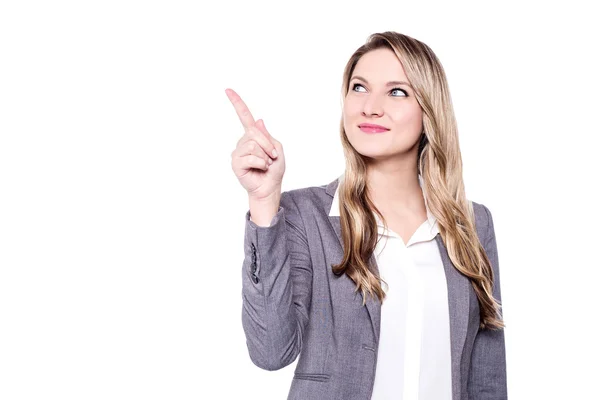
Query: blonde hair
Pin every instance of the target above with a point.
(439, 163)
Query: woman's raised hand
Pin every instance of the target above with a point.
(258, 160)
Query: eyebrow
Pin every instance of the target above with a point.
(390, 83)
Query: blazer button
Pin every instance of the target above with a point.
(254, 278)
(253, 267)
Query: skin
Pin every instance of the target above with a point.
(391, 156)
(258, 162)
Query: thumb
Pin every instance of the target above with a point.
(260, 124)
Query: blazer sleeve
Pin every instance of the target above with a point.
(276, 287)
(487, 375)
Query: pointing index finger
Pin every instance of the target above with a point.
(240, 108)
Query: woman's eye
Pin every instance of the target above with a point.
(399, 90)
(356, 85)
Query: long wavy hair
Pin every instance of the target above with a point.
(439, 163)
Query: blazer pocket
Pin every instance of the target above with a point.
(312, 377)
(368, 347)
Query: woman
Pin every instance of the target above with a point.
(385, 281)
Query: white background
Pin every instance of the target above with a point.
(121, 221)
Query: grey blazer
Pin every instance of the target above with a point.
(292, 304)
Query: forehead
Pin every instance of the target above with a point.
(380, 65)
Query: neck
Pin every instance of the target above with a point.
(395, 186)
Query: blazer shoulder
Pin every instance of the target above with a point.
(310, 198)
(482, 218)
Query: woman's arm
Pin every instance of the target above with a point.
(276, 287)
(487, 376)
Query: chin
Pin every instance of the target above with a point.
(368, 144)
(374, 152)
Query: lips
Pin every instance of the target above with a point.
(372, 128)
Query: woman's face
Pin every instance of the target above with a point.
(375, 96)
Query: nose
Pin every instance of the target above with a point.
(372, 106)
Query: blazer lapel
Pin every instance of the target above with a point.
(458, 306)
(373, 305)
(458, 299)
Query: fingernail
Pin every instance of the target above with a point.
(270, 161)
(274, 152)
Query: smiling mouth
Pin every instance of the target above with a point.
(371, 129)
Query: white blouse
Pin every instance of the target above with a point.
(413, 359)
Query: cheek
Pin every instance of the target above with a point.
(407, 116)
(347, 114)
(351, 107)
